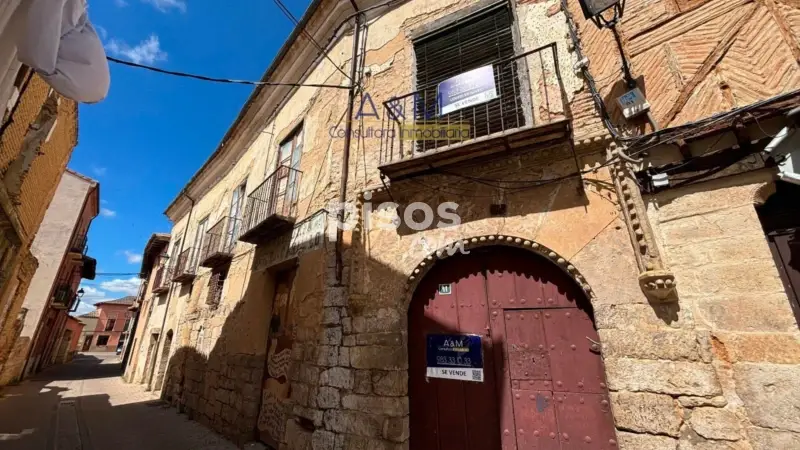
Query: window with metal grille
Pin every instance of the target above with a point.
(110, 323)
(482, 39)
(215, 285)
(102, 341)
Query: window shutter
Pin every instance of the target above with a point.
(477, 41)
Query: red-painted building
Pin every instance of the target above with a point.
(114, 323)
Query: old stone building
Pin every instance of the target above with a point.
(151, 305)
(631, 282)
(39, 132)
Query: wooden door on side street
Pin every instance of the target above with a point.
(544, 383)
(275, 387)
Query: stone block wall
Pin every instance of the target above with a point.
(747, 340)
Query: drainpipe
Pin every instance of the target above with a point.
(351, 97)
(169, 295)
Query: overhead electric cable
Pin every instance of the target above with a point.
(302, 29)
(221, 80)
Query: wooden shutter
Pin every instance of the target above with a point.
(480, 40)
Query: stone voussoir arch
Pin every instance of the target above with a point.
(489, 240)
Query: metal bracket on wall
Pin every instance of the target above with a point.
(655, 279)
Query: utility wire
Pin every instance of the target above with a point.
(220, 80)
(302, 29)
(121, 274)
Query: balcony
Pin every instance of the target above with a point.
(185, 267)
(219, 242)
(64, 296)
(78, 244)
(272, 207)
(162, 280)
(520, 118)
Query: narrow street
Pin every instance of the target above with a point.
(86, 405)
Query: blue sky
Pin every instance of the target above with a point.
(154, 131)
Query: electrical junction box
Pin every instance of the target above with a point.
(633, 103)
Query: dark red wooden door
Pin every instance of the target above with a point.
(544, 384)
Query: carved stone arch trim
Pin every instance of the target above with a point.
(443, 253)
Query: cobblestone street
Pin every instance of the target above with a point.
(86, 405)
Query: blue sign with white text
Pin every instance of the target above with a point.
(467, 89)
(455, 357)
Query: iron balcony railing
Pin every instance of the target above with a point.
(220, 241)
(272, 206)
(530, 93)
(78, 244)
(161, 280)
(64, 296)
(185, 266)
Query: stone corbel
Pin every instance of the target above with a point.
(655, 279)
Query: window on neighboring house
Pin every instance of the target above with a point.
(481, 40)
(215, 285)
(110, 324)
(102, 340)
(127, 324)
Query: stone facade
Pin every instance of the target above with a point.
(27, 190)
(714, 368)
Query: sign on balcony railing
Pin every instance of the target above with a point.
(522, 91)
(467, 89)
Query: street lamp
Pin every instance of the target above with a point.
(594, 10)
(78, 297)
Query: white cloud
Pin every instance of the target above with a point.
(167, 5)
(133, 258)
(125, 287)
(105, 212)
(99, 171)
(92, 295)
(146, 52)
(121, 3)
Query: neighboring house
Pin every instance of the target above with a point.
(38, 132)
(89, 321)
(614, 285)
(152, 305)
(114, 323)
(60, 247)
(69, 340)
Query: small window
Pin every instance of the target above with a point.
(102, 341)
(215, 285)
(200, 237)
(291, 149)
(110, 324)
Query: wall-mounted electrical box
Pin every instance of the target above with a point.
(633, 103)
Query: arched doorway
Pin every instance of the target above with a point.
(162, 365)
(544, 381)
